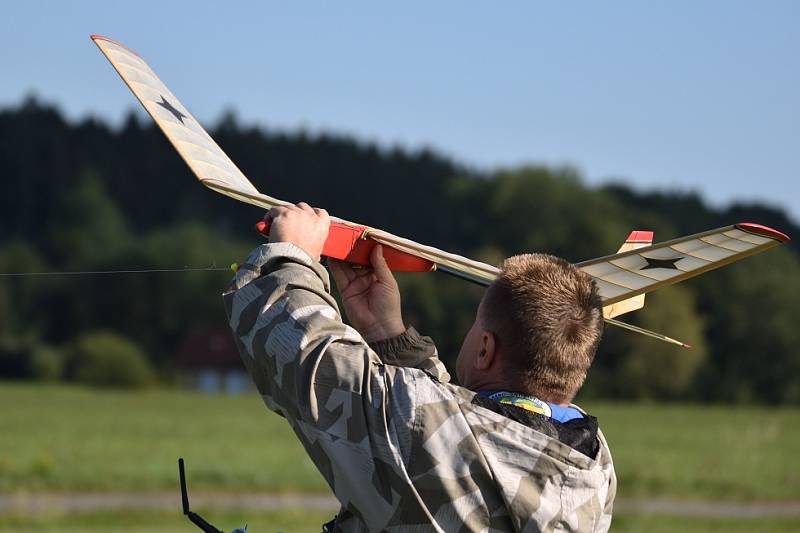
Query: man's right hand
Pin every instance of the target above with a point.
(370, 296)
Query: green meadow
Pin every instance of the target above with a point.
(303, 521)
(70, 439)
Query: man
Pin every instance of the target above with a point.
(402, 448)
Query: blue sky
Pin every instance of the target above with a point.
(668, 95)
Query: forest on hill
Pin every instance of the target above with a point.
(83, 196)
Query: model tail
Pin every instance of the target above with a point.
(636, 240)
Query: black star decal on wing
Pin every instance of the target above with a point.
(660, 263)
(169, 107)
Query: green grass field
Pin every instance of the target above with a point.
(289, 521)
(302, 521)
(71, 439)
(704, 452)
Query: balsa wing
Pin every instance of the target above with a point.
(623, 275)
(209, 163)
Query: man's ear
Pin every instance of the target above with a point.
(488, 351)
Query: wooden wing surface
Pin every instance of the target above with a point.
(205, 158)
(622, 276)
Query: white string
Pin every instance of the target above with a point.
(104, 272)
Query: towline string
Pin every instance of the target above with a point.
(234, 267)
(106, 272)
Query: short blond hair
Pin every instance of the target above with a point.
(548, 320)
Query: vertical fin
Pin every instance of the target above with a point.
(637, 239)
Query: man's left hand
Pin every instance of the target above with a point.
(302, 225)
(370, 297)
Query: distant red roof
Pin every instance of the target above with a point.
(208, 348)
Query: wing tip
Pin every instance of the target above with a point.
(98, 37)
(765, 231)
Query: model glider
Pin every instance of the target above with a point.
(623, 278)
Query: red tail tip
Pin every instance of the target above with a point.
(640, 236)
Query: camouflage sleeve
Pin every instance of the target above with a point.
(287, 328)
(608, 505)
(412, 350)
(352, 413)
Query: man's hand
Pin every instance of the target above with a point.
(301, 225)
(370, 296)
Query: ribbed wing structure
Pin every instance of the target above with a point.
(209, 163)
(621, 276)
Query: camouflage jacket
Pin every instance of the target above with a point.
(401, 448)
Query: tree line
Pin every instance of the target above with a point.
(83, 196)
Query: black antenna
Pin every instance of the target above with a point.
(195, 518)
(184, 495)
